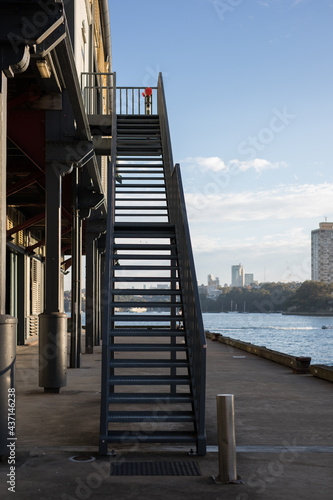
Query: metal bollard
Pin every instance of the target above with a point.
(226, 440)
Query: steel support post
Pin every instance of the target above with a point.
(75, 353)
(53, 322)
(97, 297)
(22, 298)
(90, 291)
(8, 324)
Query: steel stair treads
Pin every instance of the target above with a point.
(147, 358)
(147, 347)
(151, 332)
(126, 436)
(149, 398)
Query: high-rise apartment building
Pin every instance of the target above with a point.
(237, 275)
(249, 278)
(322, 253)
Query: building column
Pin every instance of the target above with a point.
(53, 321)
(8, 324)
(90, 289)
(97, 296)
(76, 320)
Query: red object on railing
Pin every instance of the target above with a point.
(147, 92)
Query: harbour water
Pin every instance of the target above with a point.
(294, 335)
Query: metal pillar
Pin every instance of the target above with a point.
(22, 298)
(90, 291)
(226, 440)
(8, 324)
(75, 354)
(53, 322)
(97, 296)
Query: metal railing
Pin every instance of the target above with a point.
(97, 92)
(192, 311)
(130, 101)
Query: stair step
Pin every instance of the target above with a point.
(140, 208)
(145, 317)
(147, 215)
(162, 199)
(147, 304)
(150, 398)
(134, 169)
(150, 416)
(137, 119)
(122, 332)
(149, 380)
(141, 178)
(147, 347)
(146, 225)
(122, 186)
(144, 291)
(145, 268)
(131, 256)
(148, 363)
(151, 191)
(148, 129)
(137, 151)
(131, 159)
(141, 279)
(126, 436)
(136, 246)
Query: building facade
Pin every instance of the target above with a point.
(249, 279)
(237, 275)
(322, 253)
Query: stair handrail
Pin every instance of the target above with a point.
(190, 293)
(107, 292)
(92, 86)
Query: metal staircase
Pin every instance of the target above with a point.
(153, 375)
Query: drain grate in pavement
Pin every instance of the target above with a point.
(155, 469)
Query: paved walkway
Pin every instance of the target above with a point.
(284, 435)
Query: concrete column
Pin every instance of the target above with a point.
(53, 322)
(8, 324)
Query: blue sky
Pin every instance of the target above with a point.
(249, 92)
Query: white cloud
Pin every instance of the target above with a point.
(216, 164)
(285, 202)
(293, 240)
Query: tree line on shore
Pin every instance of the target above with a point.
(307, 297)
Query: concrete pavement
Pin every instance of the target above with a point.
(284, 436)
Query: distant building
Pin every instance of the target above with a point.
(213, 282)
(249, 279)
(237, 275)
(322, 253)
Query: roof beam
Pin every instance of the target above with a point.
(24, 183)
(26, 224)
